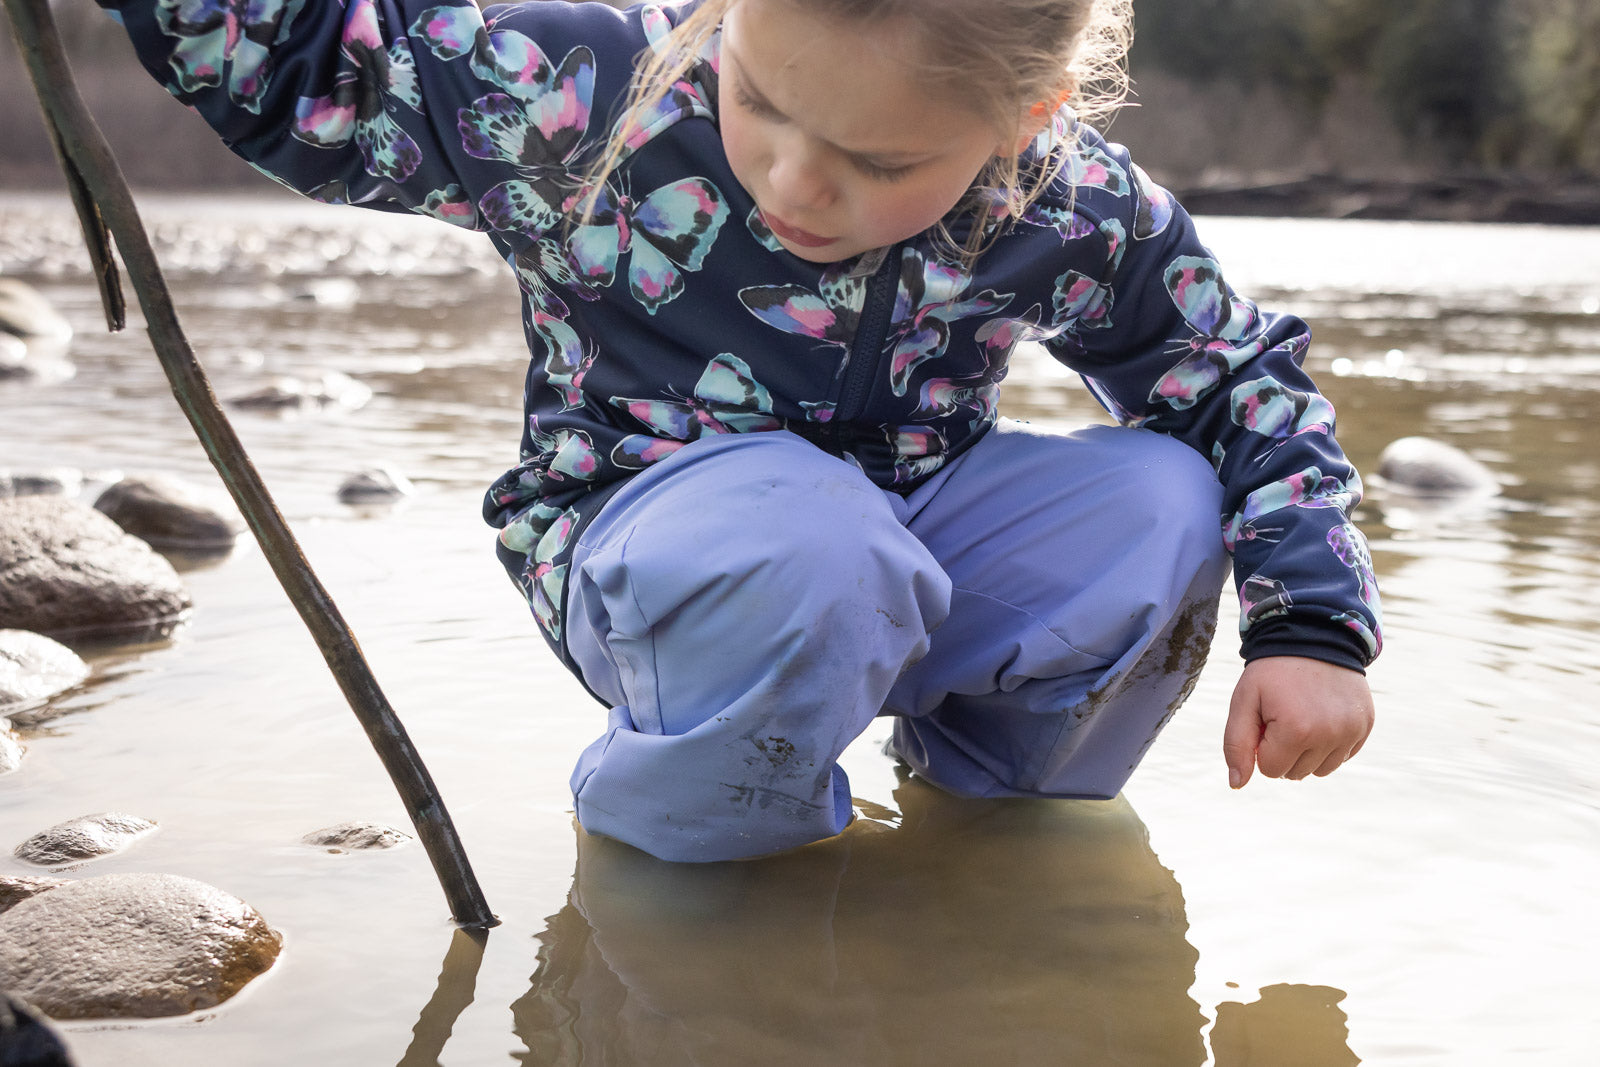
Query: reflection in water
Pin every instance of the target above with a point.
(1291, 1024)
(971, 932)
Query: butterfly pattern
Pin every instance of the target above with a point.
(373, 75)
(226, 43)
(492, 119)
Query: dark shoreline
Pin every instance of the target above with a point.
(1465, 198)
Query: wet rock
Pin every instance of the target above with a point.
(132, 946)
(1428, 468)
(286, 393)
(66, 569)
(58, 481)
(10, 748)
(33, 668)
(356, 835)
(15, 890)
(27, 1039)
(84, 838)
(376, 485)
(26, 314)
(168, 512)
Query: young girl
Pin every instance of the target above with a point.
(774, 256)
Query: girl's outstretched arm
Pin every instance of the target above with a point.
(1293, 716)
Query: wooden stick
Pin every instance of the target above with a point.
(104, 202)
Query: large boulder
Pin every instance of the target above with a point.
(34, 668)
(84, 838)
(10, 748)
(132, 946)
(14, 891)
(168, 512)
(66, 569)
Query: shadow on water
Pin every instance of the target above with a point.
(953, 932)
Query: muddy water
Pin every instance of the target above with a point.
(1433, 903)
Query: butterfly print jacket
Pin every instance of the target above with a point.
(672, 312)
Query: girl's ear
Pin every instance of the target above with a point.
(1039, 115)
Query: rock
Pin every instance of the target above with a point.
(66, 569)
(26, 314)
(168, 512)
(16, 890)
(10, 748)
(286, 393)
(84, 838)
(1429, 468)
(27, 1039)
(33, 668)
(132, 946)
(375, 485)
(58, 481)
(356, 835)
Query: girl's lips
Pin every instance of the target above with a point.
(804, 238)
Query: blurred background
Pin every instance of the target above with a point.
(1484, 110)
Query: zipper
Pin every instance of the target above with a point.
(866, 351)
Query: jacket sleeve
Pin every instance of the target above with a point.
(1165, 343)
(476, 118)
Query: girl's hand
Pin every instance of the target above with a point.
(1293, 716)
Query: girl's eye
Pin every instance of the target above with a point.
(752, 105)
(880, 173)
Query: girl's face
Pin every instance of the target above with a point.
(828, 127)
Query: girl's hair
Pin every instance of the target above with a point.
(1001, 58)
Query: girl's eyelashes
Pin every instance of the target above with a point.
(881, 173)
(759, 107)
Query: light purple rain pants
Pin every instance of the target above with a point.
(1033, 615)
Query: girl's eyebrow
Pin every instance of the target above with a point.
(748, 88)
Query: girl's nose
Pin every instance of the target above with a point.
(798, 178)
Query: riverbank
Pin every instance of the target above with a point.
(1444, 198)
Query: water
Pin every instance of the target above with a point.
(1432, 903)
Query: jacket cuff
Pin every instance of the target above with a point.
(1328, 642)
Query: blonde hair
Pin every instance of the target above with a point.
(1000, 57)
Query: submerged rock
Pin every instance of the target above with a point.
(356, 835)
(84, 838)
(375, 485)
(286, 393)
(15, 890)
(168, 512)
(33, 668)
(132, 946)
(1428, 468)
(67, 569)
(58, 481)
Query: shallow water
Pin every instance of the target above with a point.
(1432, 903)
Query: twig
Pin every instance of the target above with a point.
(104, 202)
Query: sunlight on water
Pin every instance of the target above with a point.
(1430, 904)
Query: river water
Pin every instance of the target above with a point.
(1431, 903)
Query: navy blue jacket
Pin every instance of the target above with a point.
(673, 313)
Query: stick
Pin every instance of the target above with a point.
(104, 202)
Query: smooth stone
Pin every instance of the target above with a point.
(84, 838)
(58, 481)
(168, 512)
(356, 835)
(132, 946)
(66, 569)
(1427, 467)
(289, 393)
(15, 890)
(375, 485)
(33, 668)
(25, 313)
(10, 748)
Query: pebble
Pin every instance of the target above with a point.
(169, 512)
(84, 838)
(351, 836)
